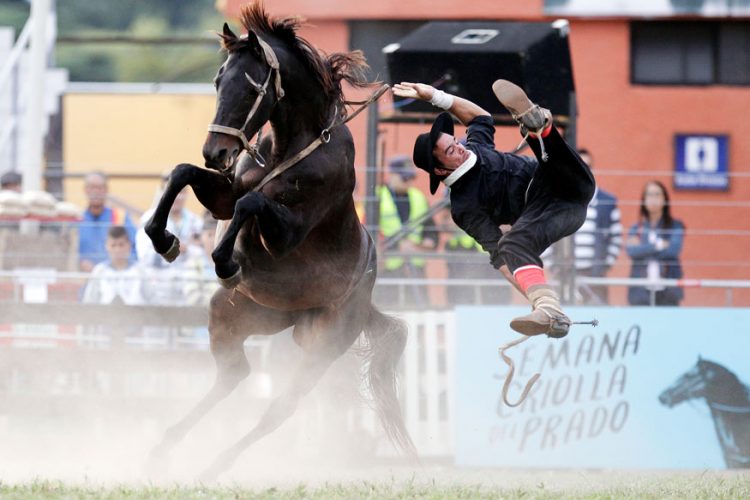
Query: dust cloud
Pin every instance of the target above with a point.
(89, 413)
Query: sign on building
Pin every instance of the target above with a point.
(701, 162)
(648, 388)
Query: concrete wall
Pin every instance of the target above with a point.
(132, 133)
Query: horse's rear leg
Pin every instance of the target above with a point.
(230, 323)
(325, 338)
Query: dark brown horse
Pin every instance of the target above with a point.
(294, 253)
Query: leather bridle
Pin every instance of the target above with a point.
(262, 90)
(270, 57)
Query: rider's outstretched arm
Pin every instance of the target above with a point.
(461, 108)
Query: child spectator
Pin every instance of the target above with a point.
(116, 279)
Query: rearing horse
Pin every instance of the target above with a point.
(294, 253)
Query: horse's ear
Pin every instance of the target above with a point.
(253, 43)
(228, 33)
(252, 40)
(699, 358)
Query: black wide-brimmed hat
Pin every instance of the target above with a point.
(425, 143)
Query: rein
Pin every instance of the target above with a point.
(729, 408)
(323, 138)
(511, 370)
(262, 90)
(535, 377)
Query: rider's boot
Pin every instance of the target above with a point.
(534, 121)
(546, 316)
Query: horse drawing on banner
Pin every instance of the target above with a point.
(728, 400)
(294, 253)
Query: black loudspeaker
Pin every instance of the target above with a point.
(464, 58)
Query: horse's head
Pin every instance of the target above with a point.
(704, 378)
(248, 86)
(692, 384)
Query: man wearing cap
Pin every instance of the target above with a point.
(401, 203)
(544, 199)
(11, 181)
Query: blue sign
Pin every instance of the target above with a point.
(647, 388)
(701, 162)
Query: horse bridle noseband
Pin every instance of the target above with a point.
(273, 62)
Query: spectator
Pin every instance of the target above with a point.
(11, 181)
(200, 281)
(598, 242)
(166, 280)
(402, 203)
(200, 277)
(117, 279)
(96, 221)
(654, 243)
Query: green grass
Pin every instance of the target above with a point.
(677, 486)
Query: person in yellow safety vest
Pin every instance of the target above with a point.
(464, 268)
(400, 203)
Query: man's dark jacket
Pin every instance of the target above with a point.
(493, 191)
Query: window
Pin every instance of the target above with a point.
(690, 53)
(734, 54)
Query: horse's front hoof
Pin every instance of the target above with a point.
(173, 252)
(232, 281)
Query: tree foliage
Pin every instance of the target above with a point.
(13, 13)
(137, 62)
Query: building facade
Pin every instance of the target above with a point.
(646, 75)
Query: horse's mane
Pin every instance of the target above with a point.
(723, 372)
(329, 70)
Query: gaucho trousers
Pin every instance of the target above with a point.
(556, 202)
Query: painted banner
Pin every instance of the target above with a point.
(708, 8)
(647, 388)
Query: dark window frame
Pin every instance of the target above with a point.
(714, 27)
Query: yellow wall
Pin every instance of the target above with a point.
(132, 134)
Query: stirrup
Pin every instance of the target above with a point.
(526, 131)
(559, 324)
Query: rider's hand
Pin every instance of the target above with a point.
(420, 91)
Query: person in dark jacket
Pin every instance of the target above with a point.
(654, 243)
(544, 199)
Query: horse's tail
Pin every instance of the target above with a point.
(386, 340)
